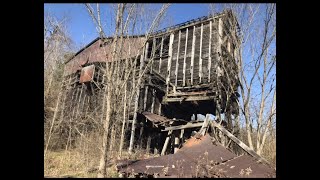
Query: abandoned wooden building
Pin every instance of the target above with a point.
(191, 68)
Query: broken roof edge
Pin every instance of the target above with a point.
(96, 39)
(164, 30)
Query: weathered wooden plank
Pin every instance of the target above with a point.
(204, 127)
(184, 59)
(153, 49)
(177, 60)
(200, 55)
(145, 55)
(145, 98)
(160, 61)
(192, 53)
(240, 143)
(153, 100)
(176, 144)
(220, 36)
(189, 125)
(191, 98)
(136, 101)
(209, 61)
(166, 142)
(169, 61)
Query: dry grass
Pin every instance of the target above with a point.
(66, 163)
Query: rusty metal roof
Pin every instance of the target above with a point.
(156, 118)
(199, 157)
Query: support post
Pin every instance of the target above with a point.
(209, 60)
(192, 53)
(166, 143)
(177, 60)
(169, 62)
(200, 55)
(184, 59)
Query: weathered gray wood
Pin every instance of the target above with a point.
(184, 59)
(219, 36)
(204, 126)
(200, 55)
(153, 52)
(166, 142)
(189, 125)
(148, 144)
(145, 54)
(159, 111)
(153, 100)
(79, 102)
(191, 24)
(209, 61)
(190, 98)
(169, 61)
(240, 143)
(181, 135)
(192, 53)
(136, 101)
(160, 61)
(176, 144)
(145, 98)
(177, 60)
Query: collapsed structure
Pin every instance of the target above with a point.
(190, 68)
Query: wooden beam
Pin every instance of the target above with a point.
(191, 98)
(159, 111)
(136, 101)
(200, 55)
(181, 135)
(153, 100)
(204, 126)
(184, 59)
(145, 55)
(169, 61)
(176, 144)
(153, 51)
(240, 143)
(148, 144)
(209, 61)
(161, 48)
(192, 53)
(145, 98)
(79, 102)
(177, 60)
(219, 36)
(189, 125)
(166, 143)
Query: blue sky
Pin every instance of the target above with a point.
(82, 29)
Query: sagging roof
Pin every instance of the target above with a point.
(93, 41)
(164, 30)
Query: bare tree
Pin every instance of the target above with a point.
(117, 77)
(256, 65)
(57, 48)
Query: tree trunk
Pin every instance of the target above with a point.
(104, 154)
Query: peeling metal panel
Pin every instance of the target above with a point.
(155, 118)
(245, 166)
(187, 162)
(87, 74)
(199, 157)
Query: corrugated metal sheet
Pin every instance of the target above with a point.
(199, 157)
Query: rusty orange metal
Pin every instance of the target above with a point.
(198, 157)
(87, 73)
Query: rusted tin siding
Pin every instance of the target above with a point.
(100, 51)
